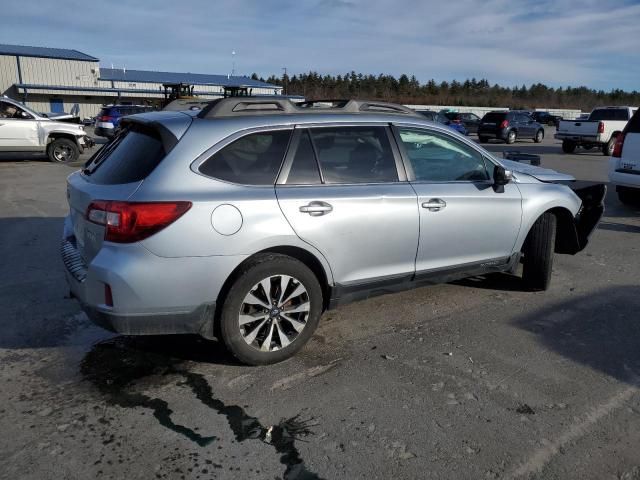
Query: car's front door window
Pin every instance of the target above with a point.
(436, 157)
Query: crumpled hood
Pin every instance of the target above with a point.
(539, 173)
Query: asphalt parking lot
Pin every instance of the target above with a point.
(472, 380)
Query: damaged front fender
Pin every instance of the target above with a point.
(574, 232)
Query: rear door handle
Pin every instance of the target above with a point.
(434, 204)
(315, 209)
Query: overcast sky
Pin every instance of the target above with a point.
(565, 42)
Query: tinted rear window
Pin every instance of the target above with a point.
(129, 157)
(251, 160)
(634, 124)
(494, 117)
(609, 114)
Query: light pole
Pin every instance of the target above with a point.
(233, 63)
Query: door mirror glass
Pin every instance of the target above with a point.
(24, 115)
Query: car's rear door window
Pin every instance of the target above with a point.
(354, 154)
(437, 157)
(253, 159)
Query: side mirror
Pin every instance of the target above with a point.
(501, 176)
(24, 115)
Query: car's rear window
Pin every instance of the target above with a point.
(494, 117)
(609, 114)
(634, 124)
(130, 157)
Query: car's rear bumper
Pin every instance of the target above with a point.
(499, 133)
(578, 138)
(198, 321)
(149, 294)
(624, 178)
(104, 132)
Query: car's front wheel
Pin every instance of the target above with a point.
(63, 150)
(271, 310)
(538, 253)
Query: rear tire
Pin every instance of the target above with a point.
(629, 196)
(568, 146)
(511, 137)
(607, 149)
(63, 150)
(483, 139)
(259, 342)
(538, 253)
(539, 136)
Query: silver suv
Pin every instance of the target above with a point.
(248, 219)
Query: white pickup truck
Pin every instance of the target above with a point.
(600, 130)
(24, 131)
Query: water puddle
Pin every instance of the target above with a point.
(115, 365)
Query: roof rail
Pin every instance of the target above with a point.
(265, 105)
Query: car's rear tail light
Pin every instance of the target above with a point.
(108, 296)
(504, 124)
(600, 127)
(105, 118)
(457, 121)
(128, 222)
(617, 148)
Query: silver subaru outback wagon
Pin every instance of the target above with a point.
(248, 219)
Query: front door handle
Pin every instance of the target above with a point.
(315, 209)
(434, 204)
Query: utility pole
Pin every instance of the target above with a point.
(284, 80)
(233, 63)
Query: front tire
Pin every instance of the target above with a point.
(568, 146)
(539, 136)
(271, 310)
(538, 253)
(63, 150)
(511, 137)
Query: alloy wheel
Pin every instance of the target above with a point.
(274, 312)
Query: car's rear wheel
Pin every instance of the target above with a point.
(538, 253)
(608, 148)
(63, 150)
(271, 310)
(539, 136)
(568, 146)
(511, 137)
(629, 196)
(483, 139)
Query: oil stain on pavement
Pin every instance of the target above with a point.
(114, 365)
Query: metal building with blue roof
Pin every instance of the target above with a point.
(56, 79)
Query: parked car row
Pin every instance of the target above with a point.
(108, 120)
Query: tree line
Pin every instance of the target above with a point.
(408, 90)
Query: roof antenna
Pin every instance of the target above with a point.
(124, 69)
(111, 65)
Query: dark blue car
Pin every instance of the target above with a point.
(441, 118)
(109, 117)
